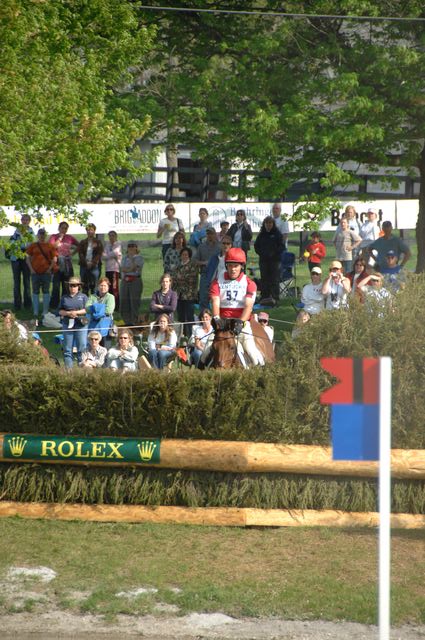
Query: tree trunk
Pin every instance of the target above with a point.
(173, 175)
(420, 225)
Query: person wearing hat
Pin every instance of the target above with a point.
(42, 262)
(370, 231)
(72, 310)
(206, 250)
(336, 287)
(312, 296)
(394, 274)
(263, 318)
(387, 243)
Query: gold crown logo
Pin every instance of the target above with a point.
(17, 446)
(146, 449)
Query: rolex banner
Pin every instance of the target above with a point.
(72, 449)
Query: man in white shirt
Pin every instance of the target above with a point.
(312, 297)
(282, 225)
(369, 231)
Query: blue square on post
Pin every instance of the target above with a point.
(355, 431)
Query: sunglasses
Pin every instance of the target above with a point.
(74, 285)
(263, 321)
(95, 339)
(169, 209)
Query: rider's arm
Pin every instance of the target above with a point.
(247, 311)
(215, 304)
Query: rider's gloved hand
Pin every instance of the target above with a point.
(237, 329)
(218, 323)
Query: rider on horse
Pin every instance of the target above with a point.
(232, 298)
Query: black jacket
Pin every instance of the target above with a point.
(269, 245)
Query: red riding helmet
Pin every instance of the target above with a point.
(235, 255)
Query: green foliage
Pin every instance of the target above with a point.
(21, 352)
(151, 487)
(61, 134)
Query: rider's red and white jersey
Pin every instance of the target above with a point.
(232, 294)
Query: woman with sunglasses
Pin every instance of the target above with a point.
(125, 355)
(167, 227)
(357, 276)
(93, 357)
(336, 287)
(241, 232)
(72, 310)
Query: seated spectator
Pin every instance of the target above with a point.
(394, 274)
(315, 250)
(202, 336)
(387, 243)
(263, 319)
(131, 284)
(373, 290)
(336, 287)
(312, 297)
(186, 286)
(165, 299)
(125, 355)
(39, 344)
(11, 324)
(93, 356)
(100, 307)
(357, 276)
(162, 342)
(302, 318)
(172, 256)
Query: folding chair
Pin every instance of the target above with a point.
(287, 285)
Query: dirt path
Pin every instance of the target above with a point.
(59, 625)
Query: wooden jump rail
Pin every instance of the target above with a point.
(249, 457)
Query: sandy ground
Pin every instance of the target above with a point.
(59, 624)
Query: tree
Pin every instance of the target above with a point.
(62, 134)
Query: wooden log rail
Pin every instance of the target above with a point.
(250, 457)
(209, 516)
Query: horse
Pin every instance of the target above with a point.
(225, 351)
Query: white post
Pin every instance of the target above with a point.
(384, 497)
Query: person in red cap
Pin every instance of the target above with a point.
(232, 297)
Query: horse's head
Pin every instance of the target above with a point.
(225, 350)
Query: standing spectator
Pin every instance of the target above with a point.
(241, 232)
(387, 243)
(72, 309)
(165, 299)
(336, 287)
(200, 229)
(206, 251)
(269, 247)
(41, 260)
(370, 231)
(281, 224)
(167, 227)
(112, 253)
(224, 230)
(162, 342)
(23, 235)
(90, 254)
(315, 250)
(186, 286)
(312, 295)
(125, 355)
(66, 245)
(172, 257)
(131, 284)
(345, 241)
(350, 214)
(217, 264)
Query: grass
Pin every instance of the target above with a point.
(327, 574)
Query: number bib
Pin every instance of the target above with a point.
(233, 293)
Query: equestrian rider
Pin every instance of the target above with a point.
(232, 297)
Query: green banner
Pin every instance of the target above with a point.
(97, 449)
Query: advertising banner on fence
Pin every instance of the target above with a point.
(22, 447)
(145, 217)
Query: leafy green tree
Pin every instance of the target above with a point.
(62, 134)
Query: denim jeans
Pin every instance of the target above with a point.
(89, 278)
(20, 268)
(71, 338)
(159, 359)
